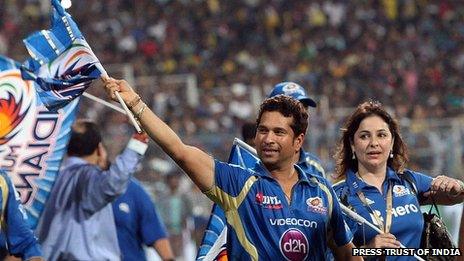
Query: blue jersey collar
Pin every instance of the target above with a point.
(261, 171)
(302, 160)
(358, 184)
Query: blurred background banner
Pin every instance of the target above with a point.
(33, 140)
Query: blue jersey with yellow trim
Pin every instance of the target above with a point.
(263, 225)
(17, 235)
(407, 219)
(310, 163)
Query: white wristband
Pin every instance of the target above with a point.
(137, 146)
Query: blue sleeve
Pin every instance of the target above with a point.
(230, 178)
(98, 188)
(229, 181)
(422, 181)
(20, 238)
(151, 226)
(341, 232)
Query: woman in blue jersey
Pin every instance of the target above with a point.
(371, 178)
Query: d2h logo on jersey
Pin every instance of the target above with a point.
(294, 245)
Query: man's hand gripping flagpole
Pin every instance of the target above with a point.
(129, 114)
(346, 210)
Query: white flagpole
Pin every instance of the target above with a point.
(246, 146)
(107, 104)
(124, 106)
(128, 113)
(347, 211)
(125, 111)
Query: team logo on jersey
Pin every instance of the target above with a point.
(400, 190)
(374, 220)
(316, 205)
(271, 202)
(294, 245)
(124, 207)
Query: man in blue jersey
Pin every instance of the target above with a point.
(138, 224)
(16, 235)
(275, 211)
(306, 160)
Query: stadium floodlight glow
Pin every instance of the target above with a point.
(66, 4)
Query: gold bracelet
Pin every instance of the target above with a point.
(134, 102)
(138, 115)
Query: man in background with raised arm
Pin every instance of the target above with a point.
(77, 222)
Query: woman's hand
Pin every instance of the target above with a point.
(444, 191)
(386, 240)
(450, 186)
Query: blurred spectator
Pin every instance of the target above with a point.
(201, 207)
(138, 224)
(176, 211)
(249, 133)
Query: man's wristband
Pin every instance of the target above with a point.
(134, 102)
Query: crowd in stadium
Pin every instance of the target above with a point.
(407, 54)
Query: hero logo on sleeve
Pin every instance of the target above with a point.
(294, 245)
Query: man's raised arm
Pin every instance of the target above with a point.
(198, 165)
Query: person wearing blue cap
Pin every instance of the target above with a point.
(306, 160)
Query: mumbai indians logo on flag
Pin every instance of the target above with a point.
(33, 139)
(39, 113)
(62, 63)
(68, 76)
(15, 102)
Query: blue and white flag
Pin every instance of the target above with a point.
(63, 65)
(214, 243)
(33, 140)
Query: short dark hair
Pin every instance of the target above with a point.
(248, 131)
(344, 155)
(288, 107)
(85, 137)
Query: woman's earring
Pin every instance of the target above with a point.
(391, 155)
(354, 156)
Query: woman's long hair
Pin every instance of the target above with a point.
(344, 155)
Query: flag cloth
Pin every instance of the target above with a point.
(63, 65)
(38, 104)
(33, 139)
(213, 245)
